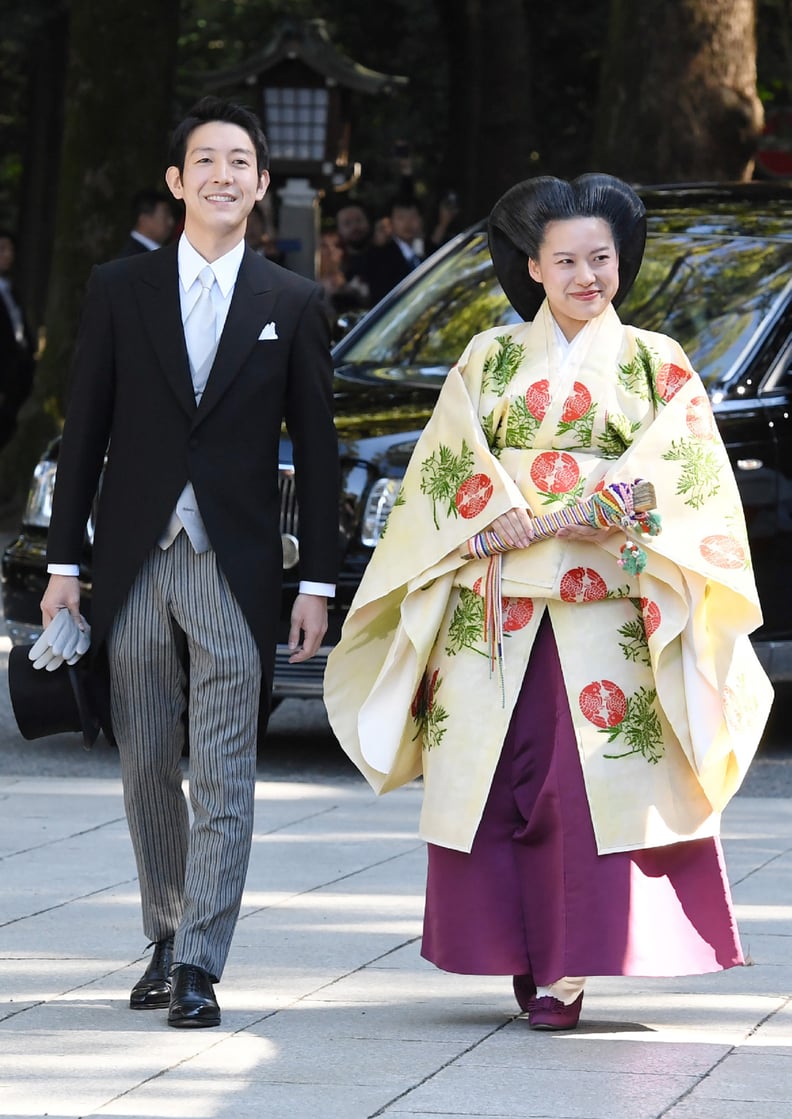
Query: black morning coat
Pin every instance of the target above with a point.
(132, 396)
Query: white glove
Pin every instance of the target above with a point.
(62, 640)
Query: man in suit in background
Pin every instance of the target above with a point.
(384, 266)
(152, 223)
(17, 344)
(188, 361)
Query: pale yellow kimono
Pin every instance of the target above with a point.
(667, 697)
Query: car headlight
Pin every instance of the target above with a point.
(381, 499)
(38, 509)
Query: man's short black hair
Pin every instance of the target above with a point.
(207, 111)
(351, 204)
(404, 202)
(146, 201)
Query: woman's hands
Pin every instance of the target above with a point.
(514, 528)
(584, 532)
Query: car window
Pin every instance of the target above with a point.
(779, 363)
(710, 293)
(433, 319)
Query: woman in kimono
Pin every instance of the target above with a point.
(581, 707)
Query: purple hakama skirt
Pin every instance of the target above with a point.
(534, 896)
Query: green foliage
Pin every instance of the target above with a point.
(617, 436)
(774, 52)
(521, 426)
(394, 36)
(635, 645)
(640, 728)
(21, 25)
(501, 366)
(441, 476)
(639, 374)
(488, 427)
(466, 630)
(699, 478)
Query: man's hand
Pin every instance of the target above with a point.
(67, 635)
(514, 528)
(62, 591)
(62, 640)
(309, 618)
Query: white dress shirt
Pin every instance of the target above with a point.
(145, 241)
(226, 269)
(408, 252)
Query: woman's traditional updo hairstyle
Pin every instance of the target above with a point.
(520, 217)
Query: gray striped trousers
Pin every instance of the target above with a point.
(180, 643)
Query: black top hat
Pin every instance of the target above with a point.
(518, 220)
(50, 702)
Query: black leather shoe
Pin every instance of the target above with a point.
(152, 990)
(192, 1001)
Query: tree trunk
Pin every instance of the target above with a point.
(678, 99)
(117, 120)
(490, 125)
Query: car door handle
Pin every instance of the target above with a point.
(749, 464)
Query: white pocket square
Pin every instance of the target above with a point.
(269, 333)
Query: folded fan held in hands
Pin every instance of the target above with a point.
(62, 640)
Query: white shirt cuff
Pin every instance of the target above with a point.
(327, 590)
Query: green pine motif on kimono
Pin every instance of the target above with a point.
(700, 475)
(521, 426)
(501, 366)
(442, 475)
(635, 645)
(640, 374)
(640, 728)
(617, 436)
(467, 624)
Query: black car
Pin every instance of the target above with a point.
(717, 276)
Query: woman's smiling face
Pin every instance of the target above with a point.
(578, 267)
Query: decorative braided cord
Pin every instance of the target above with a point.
(493, 618)
(612, 507)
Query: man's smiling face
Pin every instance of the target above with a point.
(220, 182)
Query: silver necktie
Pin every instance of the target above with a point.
(200, 333)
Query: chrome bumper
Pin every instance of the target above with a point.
(299, 681)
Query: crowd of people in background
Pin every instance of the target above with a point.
(363, 258)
